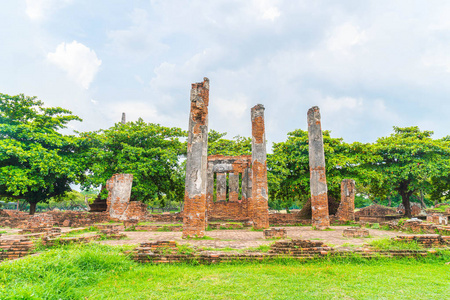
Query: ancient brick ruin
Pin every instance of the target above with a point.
(194, 217)
(260, 192)
(355, 232)
(437, 218)
(236, 168)
(346, 210)
(119, 205)
(238, 183)
(318, 182)
(275, 233)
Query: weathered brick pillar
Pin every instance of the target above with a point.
(318, 181)
(119, 193)
(247, 192)
(194, 214)
(209, 187)
(221, 186)
(233, 182)
(346, 210)
(260, 192)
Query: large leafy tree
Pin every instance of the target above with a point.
(288, 167)
(235, 147)
(36, 160)
(405, 162)
(150, 152)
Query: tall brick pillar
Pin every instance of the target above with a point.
(194, 214)
(346, 210)
(209, 188)
(260, 192)
(318, 181)
(119, 193)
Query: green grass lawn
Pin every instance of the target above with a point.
(102, 272)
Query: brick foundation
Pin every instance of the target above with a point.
(375, 210)
(437, 218)
(275, 233)
(355, 232)
(15, 248)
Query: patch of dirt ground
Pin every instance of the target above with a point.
(245, 238)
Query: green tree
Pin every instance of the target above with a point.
(150, 152)
(405, 162)
(36, 161)
(235, 147)
(288, 167)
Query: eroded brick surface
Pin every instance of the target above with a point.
(234, 208)
(260, 192)
(194, 215)
(437, 218)
(318, 182)
(272, 233)
(375, 210)
(119, 193)
(346, 210)
(355, 232)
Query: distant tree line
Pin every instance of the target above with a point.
(38, 163)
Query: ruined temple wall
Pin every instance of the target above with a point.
(228, 210)
(233, 209)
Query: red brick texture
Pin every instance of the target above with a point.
(346, 210)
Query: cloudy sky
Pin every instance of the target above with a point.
(369, 65)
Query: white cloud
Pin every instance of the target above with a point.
(267, 10)
(232, 108)
(37, 10)
(345, 36)
(140, 40)
(80, 62)
(437, 57)
(343, 103)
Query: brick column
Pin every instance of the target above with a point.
(209, 187)
(260, 192)
(233, 182)
(346, 210)
(247, 192)
(318, 181)
(221, 186)
(194, 214)
(119, 193)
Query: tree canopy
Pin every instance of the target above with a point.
(36, 160)
(148, 151)
(288, 167)
(406, 161)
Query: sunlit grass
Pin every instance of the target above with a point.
(102, 272)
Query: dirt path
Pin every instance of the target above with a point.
(246, 238)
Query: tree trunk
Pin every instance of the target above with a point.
(390, 201)
(18, 204)
(32, 208)
(406, 203)
(421, 200)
